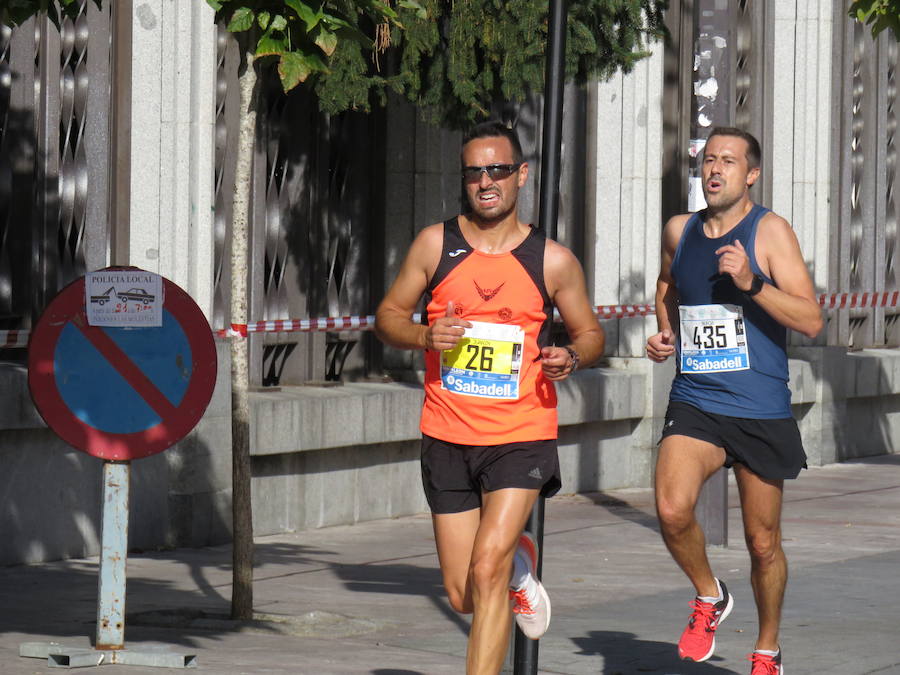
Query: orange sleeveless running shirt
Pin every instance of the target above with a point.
(487, 391)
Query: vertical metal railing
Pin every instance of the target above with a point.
(311, 228)
(8, 137)
(864, 232)
(891, 194)
(55, 111)
(753, 67)
(227, 104)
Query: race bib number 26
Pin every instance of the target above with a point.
(713, 339)
(485, 362)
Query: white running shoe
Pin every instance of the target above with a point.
(532, 616)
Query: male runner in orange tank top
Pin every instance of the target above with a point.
(489, 423)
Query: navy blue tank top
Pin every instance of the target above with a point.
(761, 392)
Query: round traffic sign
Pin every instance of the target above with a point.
(121, 393)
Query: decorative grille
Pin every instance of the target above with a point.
(311, 218)
(857, 154)
(752, 69)
(73, 89)
(54, 157)
(891, 269)
(743, 36)
(7, 138)
(864, 228)
(227, 103)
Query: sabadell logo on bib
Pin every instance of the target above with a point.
(713, 364)
(468, 387)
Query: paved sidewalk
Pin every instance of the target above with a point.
(368, 598)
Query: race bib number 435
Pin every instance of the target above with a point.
(485, 362)
(713, 339)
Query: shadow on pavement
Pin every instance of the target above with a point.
(624, 654)
(624, 510)
(402, 579)
(61, 599)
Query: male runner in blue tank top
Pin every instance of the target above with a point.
(732, 281)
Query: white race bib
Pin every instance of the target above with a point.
(713, 339)
(485, 362)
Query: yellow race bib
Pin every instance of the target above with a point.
(485, 362)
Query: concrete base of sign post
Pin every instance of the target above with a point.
(63, 656)
(110, 649)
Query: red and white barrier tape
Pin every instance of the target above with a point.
(851, 300)
(623, 311)
(19, 338)
(13, 338)
(330, 324)
(362, 323)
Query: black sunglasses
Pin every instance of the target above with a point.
(494, 171)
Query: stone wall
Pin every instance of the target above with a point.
(346, 454)
(51, 493)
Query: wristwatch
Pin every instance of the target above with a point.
(574, 356)
(755, 286)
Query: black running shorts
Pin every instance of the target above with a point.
(770, 448)
(454, 475)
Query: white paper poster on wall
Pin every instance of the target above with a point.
(696, 200)
(123, 298)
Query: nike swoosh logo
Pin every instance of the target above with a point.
(457, 252)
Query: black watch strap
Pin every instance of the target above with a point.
(755, 286)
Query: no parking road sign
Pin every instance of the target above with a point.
(121, 392)
(121, 367)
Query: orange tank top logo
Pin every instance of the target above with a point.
(487, 293)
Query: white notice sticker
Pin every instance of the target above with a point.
(123, 298)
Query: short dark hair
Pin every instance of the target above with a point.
(754, 153)
(492, 129)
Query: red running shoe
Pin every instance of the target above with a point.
(698, 641)
(763, 664)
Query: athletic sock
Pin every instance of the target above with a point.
(522, 578)
(766, 652)
(520, 572)
(713, 600)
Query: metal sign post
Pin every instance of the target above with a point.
(526, 651)
(119, 378)
(711, 106)
(113, 556)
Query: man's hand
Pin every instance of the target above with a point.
(734, 262)
(556, 363)
(446, 331)
(661, 346)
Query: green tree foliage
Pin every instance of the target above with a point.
(475, 52)
(879, 14)
(452, 58)
(321, 43)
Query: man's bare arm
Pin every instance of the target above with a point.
(393, 318)
(568, 290)
(662, 345)
(793, 302)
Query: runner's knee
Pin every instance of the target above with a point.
(764, 546)
(674, 514)
(490, 572)
(459, 600)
